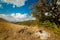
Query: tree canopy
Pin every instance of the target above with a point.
(46, 10)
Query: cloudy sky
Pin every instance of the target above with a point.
(16, 10)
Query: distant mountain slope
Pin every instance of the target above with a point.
(29, 22)
(1, 19)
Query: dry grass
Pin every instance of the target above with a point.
(9, 31)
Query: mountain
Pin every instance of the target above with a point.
(29, 22)
(1, 19)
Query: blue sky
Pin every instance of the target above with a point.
(8, 8)
(16, 10)
(16, 6)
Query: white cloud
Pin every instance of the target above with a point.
(13, 6)
(18, 17)
(17, 3)
(1, 6)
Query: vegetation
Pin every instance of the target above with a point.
(9, 31)
(29, 23)
(44, 12)
(48, 21)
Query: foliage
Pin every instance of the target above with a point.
(48, 21)
(50, 26)
(40, 10)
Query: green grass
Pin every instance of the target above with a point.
(51, 26)
(29, 23)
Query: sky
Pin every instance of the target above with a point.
(16, 10)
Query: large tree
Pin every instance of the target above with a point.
(46, 10)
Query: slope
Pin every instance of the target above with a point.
(10, 31)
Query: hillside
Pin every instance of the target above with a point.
(29, 23)
(10, 31)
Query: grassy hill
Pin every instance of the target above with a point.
(10, 31)
(29, 23)
(46, 24)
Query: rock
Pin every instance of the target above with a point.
(42, 34)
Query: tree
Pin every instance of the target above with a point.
(46, 10)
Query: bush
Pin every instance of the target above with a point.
(51, 26)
